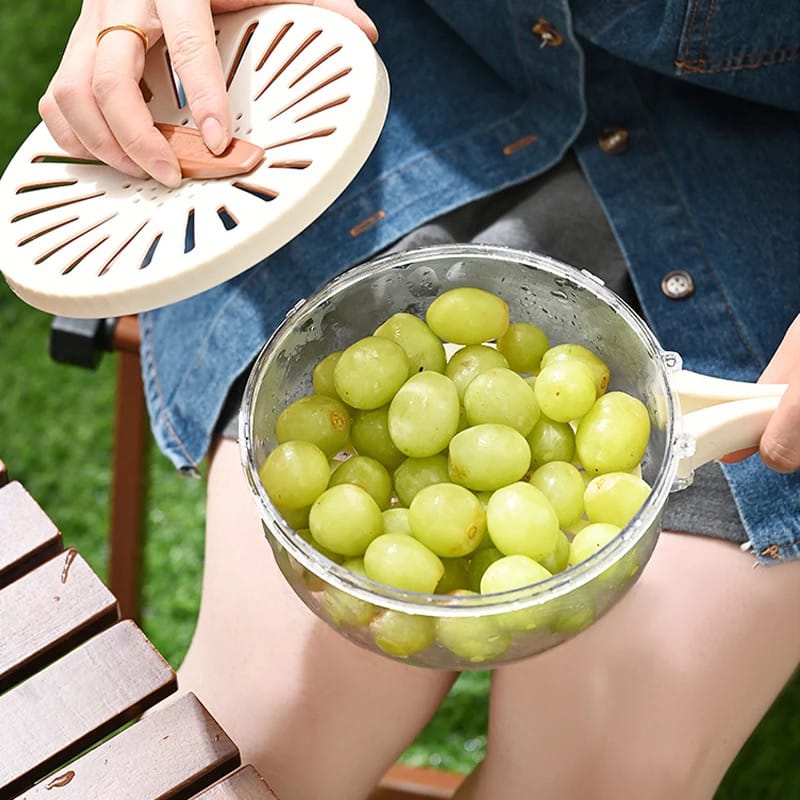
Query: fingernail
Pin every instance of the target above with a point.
(167, 173)
(213, 135)
(372, 31)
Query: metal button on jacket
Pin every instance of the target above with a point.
(677, 284)
(547, 33)
(614, 141)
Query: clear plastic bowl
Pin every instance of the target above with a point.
(462, 632)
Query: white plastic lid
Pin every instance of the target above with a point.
(83, 240)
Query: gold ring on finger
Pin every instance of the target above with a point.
(125, 27)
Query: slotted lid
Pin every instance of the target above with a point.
(82, 240)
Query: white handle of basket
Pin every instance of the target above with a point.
(722, 416)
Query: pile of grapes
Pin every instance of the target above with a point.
(458, 454)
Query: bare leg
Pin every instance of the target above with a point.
(318, 717)
(654, 700)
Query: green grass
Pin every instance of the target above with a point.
(56, 433)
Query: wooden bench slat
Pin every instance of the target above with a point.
(71, 704)
(48, 612)
(244, 784)
(402, 782)
(28, 536)
(170, 754)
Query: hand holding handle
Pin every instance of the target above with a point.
(720, 416)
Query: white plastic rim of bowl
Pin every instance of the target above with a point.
(82, 240)
(560, 584)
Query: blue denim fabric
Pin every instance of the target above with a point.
(479, 104)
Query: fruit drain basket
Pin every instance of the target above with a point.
(693, 418)
(482, 630)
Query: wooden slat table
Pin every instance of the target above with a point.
(27, 535)
(72, 674)
(39, 625)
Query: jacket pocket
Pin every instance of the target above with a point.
(729, 35)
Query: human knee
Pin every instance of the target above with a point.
(655, 775)
(611, 771)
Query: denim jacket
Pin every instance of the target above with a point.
(682, 111)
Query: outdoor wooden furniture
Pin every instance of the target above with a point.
(73, 675)
(81, 343)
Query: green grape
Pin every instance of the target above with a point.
(484, 498)
(463, 422)
(613, 435)
(312, 581)
(468, 316)
(500, 395)
(323, 421)
(295, 474)
(367, 473)
(422, 346)
(521, 521)
(596, 366)
(468, 362)
(591, 539)
(448, 519)
(322, 376)
(401, 561)
(296, 518)
(455, 576)
(395, 520)
(485, 457)
(479, 563)
(622, 572)
(370, 371)
(305, 534)
(564, 390)
(345, 519)
(515, 572)
(615, 498)
(415, 474)
(571, 617)
(512, 572)
(551, 441)
(423, 415)
(594, 537)
(474, 639)
(530, 380)
(558, 558)
(562, 484)
(402, 635)
(343, 608)
(523, 344)
(577, 526)
(369, 433)
(290, 566)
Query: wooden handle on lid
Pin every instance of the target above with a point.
(197, 161)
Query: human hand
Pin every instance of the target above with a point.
(779, 447)
(93, 106)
